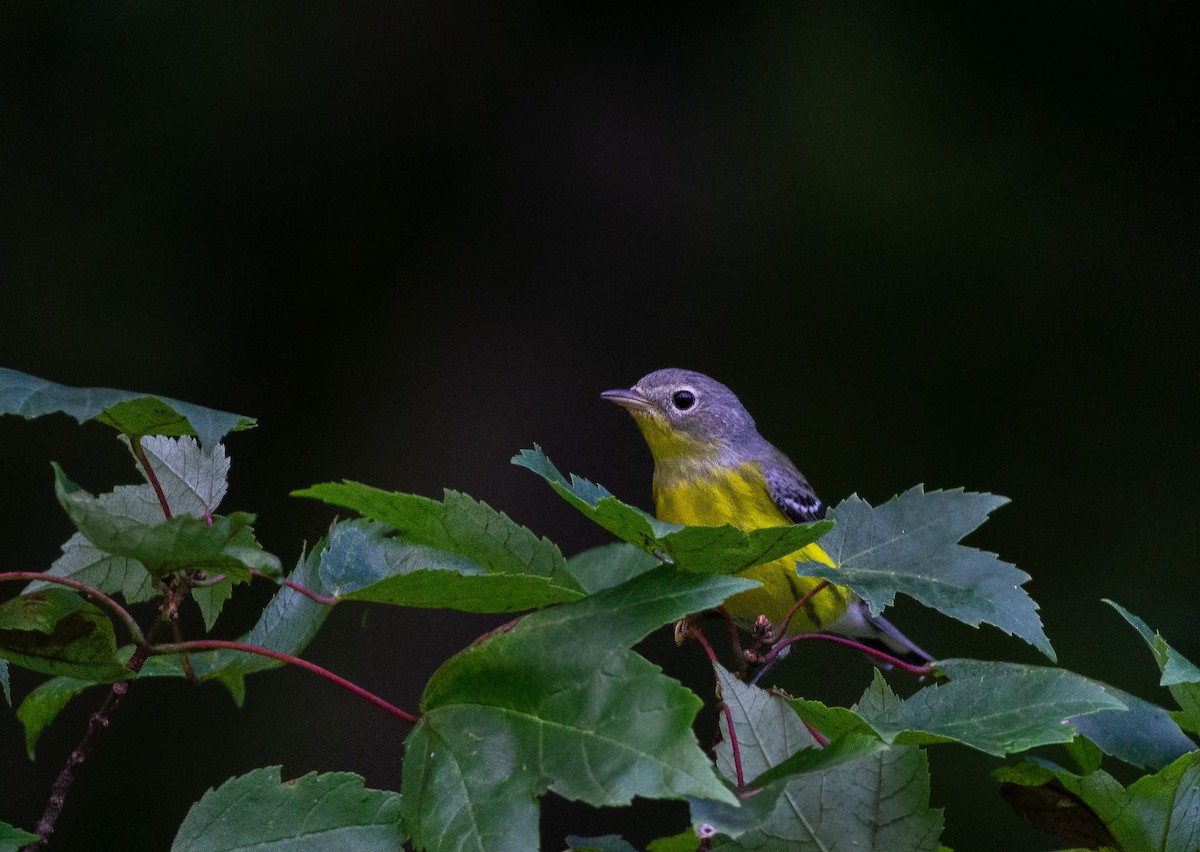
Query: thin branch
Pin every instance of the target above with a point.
(850, 643)
(222, 645)
(96, 723)
(135, 632)
(694, 632)
(781, 630)
(328, 600)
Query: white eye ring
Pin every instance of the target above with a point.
(683, 399)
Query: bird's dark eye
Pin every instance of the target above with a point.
(683, 400)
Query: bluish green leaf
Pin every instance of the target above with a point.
(710, 550)
(364, 562)
(131, 413)
(313, 813)
(4, 681)
(998, 708)
(1179, 674)
(910, 545)
(558, 702)
(1143, 735)
(193, 481)
(458, 525)
(85, 563)
(609, 565)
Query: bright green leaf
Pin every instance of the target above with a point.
(79, 644)
(313, 813)
(12, 838)
(131, 413)
(43, 704)
(910, 545)
(710, 550)
(558, 702)
(1179, 674)
(459, 525)
(998, 708)
(685, 841)
(364, 562)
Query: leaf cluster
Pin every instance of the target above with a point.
(558, 700)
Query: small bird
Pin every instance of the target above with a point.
(711, 467)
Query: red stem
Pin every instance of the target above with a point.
(695, 633)
(138, 453)
(782, 628)
(222, 645)
(135, 632)
(328, 600)
(850, 643)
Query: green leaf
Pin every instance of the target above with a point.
(1179, 675)
(997, 708)
(910, 545)
(4, 681)
(685, 841)
(558, 702)
(609, 565)
(313, 813)
(288, 623)
(44, 703)
(12, 839)
(79, 643)
(83, 562)
(194, 481)
(710, 550)
(39, 611)
(1143, 735)
(1156, 812)
(459, 525)
(131, 413)
(364, 562)
(227, 545)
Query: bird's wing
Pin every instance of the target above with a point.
(792, 494)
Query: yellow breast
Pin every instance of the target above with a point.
(741, 497)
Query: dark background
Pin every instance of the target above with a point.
(949, 246)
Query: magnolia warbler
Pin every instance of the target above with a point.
(711, 467)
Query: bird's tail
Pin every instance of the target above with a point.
(877, 632)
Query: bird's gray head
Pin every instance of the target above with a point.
(681, 412)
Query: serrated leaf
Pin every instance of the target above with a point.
(364, 562)
(12, 838)
(80, 643)
(1179, 675)
(194, 481)
(997, 708)
(287, 624)
(768, 732)
(131, 413)
(558, 702)
(1157, 812)
(710, 550)
(313, 813)
(84, 562)
(1144, 735)
(910, 545)
(227, 545)
(459, 525)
